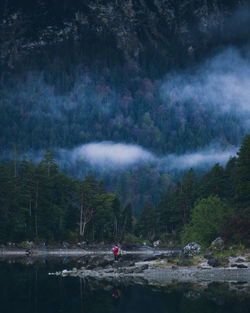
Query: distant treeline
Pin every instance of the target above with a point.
(38, 202)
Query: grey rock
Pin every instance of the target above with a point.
(242, 266)
(240, 260)
(218, 243)
(156, 243)
(125, 19)
(191, 249)
(239, 265)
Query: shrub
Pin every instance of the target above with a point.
(207, 221)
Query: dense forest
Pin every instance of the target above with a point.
(40, 203)
(77, 72)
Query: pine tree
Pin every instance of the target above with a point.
(147, 223)
(126, 221)
(188, 194)
(242, 194)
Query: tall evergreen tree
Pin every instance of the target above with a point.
(188, 194)
(147, 223)
(242, 194)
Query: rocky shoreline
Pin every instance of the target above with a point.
(160, 269)
(144, 264)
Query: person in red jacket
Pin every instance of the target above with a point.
(115, 251)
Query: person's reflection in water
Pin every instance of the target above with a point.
(116, 293)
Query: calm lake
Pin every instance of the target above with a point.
(29, 288)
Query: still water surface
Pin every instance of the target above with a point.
(29, 288)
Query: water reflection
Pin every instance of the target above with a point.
(116, 293)
(28, 288)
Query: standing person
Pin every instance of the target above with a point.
(115, 251)
(119, 253)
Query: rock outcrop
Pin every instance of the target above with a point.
(185, 27)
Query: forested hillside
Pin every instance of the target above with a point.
(81, 71)
(171, 77)
(40, 203)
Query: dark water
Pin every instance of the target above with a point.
(29, 288)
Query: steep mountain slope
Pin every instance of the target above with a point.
(176, 31)
(78, 71)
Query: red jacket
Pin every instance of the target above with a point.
(115, 250)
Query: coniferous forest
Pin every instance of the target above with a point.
(169, 78)
(40, 203)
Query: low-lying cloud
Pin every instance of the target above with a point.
(204, 158)
(110, 155)
(221, 85)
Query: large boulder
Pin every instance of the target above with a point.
(217, 244)
(192, 249)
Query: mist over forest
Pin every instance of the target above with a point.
(138, 93)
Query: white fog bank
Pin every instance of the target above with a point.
(105, 155)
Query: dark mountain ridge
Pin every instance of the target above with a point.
(177, 32)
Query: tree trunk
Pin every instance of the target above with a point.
(81, 215)
(36, 209)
